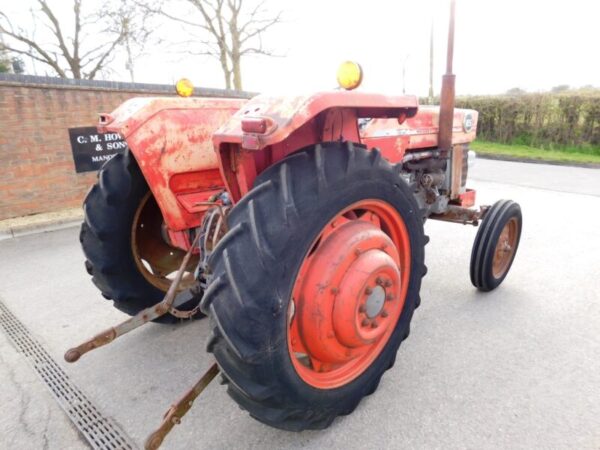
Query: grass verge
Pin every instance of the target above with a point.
(525, 152)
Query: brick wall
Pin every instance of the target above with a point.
(37, 173)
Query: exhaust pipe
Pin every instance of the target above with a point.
(447, 94)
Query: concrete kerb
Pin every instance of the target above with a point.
(40, 223)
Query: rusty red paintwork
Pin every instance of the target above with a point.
(289, 114)
(170, 139)
(295, 122)
(448, 92)
(340, 352)
(176, 412)
(418, 132)
(466, 199)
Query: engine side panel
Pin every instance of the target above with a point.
(418, 132)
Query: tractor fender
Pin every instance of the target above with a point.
(170, 138)
(286, 124)
(286, 115)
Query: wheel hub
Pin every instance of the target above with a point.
(156, 260)
(350, 296)
(503, 253)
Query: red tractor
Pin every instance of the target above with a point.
(297, 226)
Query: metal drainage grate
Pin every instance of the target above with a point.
(100, 432)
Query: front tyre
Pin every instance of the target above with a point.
(496, 245)
(314, 286)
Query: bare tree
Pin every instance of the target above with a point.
(83, 49)
(229, 30)
(132, 22)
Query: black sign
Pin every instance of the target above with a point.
(92, 149)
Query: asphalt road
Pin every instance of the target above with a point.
(515, 368)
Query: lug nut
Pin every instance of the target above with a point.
(368, 290)
(387, 283)
(378, 280)
(384, 313)
(364, 323)
(389, 297)
(362, 308)
(374, 324)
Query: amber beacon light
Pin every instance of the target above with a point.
(184, 88)
(349, 75)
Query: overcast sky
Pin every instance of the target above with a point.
(531, 44)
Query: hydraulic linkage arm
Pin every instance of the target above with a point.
(176, 412)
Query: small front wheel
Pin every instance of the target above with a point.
(496, 245)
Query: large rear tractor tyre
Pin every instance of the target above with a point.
(496, 245)
(313, 288)
(127, 257)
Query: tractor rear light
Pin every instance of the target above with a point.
(250, 142)
(254, 125)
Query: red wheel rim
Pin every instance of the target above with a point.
(349, 294)
(506, 246)
(157, 261)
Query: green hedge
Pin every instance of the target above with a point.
(568, 119)
(545, 120)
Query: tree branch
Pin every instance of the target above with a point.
(100, 63)
(44, 56)
(267, 24)
(58, 33)
(252, 16)
(77, 10)
(114, 22)
(161, 12)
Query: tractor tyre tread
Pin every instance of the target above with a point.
(105, 237)
(485, 242)
(247, 302)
